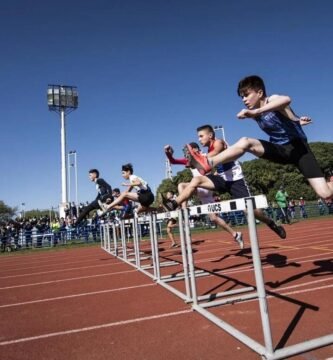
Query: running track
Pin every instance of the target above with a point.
(85, 304)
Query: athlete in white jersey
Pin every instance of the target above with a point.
(205, 195)
(236, 188)
(142, 194)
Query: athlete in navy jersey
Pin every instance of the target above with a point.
(287, 145)
(279, 127)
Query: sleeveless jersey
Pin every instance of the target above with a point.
(139, 188)
(280, 128)
(230, 171)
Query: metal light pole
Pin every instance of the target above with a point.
(23, 211)
(168, 169)
(63, 100)
(220, 127)
(69, 165)
(72, 154)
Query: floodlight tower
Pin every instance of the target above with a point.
(62, 99)
(220, 127)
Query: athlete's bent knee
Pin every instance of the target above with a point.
(244, 143)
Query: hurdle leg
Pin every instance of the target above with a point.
(259, 278)
(184, 255)
(136, 242)
(189, 252)
(123, 239)
(154, 247)
(103, 240)
(115, 245)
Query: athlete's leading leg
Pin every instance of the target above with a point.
(197, 181)
(322, 188)
(234, 152)
(181, 187)
(120, 198)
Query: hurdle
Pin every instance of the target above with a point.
(117, 245)
(265, 350)
(164, 280)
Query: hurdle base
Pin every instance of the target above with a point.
(211, 297)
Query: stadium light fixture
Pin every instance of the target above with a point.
(62, 99)
(220, 127)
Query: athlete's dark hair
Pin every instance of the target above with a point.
(251, 82)
(194, 145)
(127, 167)
(207, 127)
(116, 190)
(94, 171)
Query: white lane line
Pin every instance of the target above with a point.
(43, 257)
(262, 252)
(290, 293)
(56, 271)
(64, 280)
(248, 267)
(19, 267)
(305, 290)
(301, 285)
(96, 327)
(76, 295)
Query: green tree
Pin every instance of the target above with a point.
(172, 184)
(39, 213)
(6, 212)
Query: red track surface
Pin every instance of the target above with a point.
(85, 304)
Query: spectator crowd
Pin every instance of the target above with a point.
(36, 232)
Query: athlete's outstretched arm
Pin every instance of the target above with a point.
(275, 102)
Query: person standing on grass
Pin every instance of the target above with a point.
(171, 223)
(281, 198)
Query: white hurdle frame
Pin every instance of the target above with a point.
(267, 350)
(190, 274)
(164, 280)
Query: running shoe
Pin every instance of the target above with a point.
(197, 160)
(103, 206)
(100, 213)
(278, 229)
(239, 239)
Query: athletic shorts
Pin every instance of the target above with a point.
(146, 198)
(237, 189)
(171, 221)
(297, 152)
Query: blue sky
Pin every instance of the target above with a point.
(148, 73)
